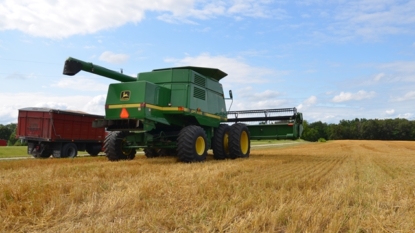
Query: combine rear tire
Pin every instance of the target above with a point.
(239, 141)
(69, 150)
(220, 142)
(192, 145)
(114, 143)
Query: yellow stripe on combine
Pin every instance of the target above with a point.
(116, 106)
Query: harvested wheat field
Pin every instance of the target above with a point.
(338, 186)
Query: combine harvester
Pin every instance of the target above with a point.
(180, 111)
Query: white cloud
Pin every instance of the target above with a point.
(400, 67)
(312, 100)
(367, 19)
(378, 77)
(111, 57)
(51, 104)
(9, 110)
(60, 19)
(80, 83)
(408, 96)
(96, 105)
(390, 112)
(347, 96)
(239, 72)
(406, 115)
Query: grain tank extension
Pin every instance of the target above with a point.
(173, 111)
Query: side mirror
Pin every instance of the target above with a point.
(230, 94)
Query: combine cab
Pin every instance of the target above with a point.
(174, 111)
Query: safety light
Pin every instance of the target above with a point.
(124, 113)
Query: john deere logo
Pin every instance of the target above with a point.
(125, 95)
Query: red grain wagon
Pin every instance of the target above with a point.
(3, 142)
(60, 133)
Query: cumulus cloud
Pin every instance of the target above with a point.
(96, 105)
(312, 100)
(348, 96)
(237, 69)
(114, 58)
(51, 104)
(60, 19)
(390, 112)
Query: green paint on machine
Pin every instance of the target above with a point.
(171, 111)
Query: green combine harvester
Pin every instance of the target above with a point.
(181, 111)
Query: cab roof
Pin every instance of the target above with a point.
(214, 73)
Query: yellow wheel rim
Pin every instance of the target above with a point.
(244, 142)
(200, 145)
(226, 143)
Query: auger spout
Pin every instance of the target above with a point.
(73, 66)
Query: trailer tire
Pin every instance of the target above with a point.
(192, 145)
(220, 142)
(46, 152)
(114, 143)
(239, 141)
(69, 150)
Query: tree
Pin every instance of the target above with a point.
(5, 132)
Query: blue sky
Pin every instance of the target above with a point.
(332, 59)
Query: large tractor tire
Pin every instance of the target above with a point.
(192, 145)
(220, 142)
(114, 143)
(239, 141)
(69, 150)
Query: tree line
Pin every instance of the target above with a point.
(8, 133)
(360, 129)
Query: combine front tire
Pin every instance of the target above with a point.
(220, 142)
(192, 145)
(239, 141)
(114, 143)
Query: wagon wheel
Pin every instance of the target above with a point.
(239, 141)
(192, 145)
(220, 142)
(114, 146)
(69, 150)
(45, 153)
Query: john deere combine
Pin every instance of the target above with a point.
(178, 111)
